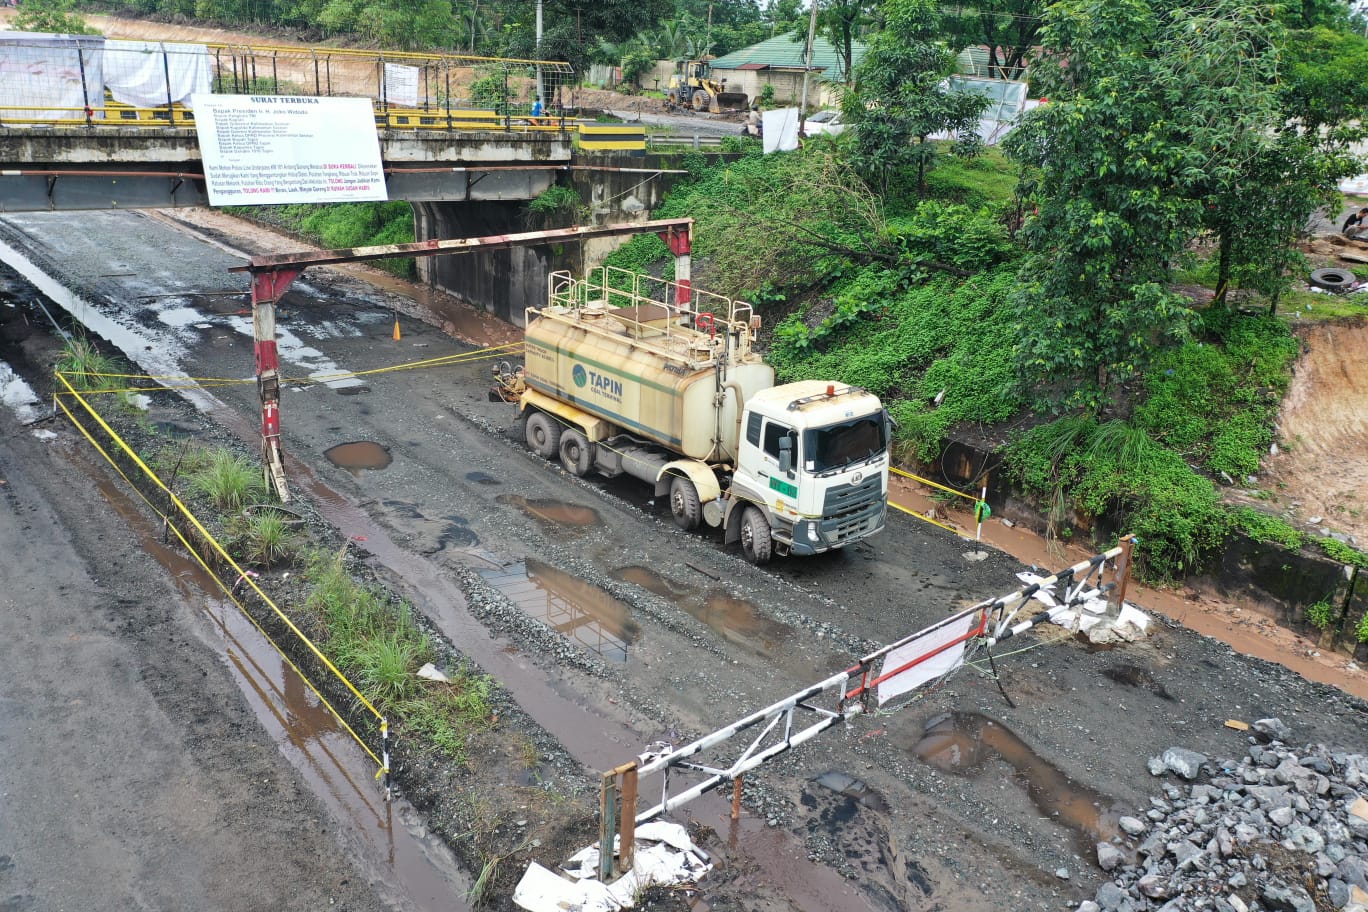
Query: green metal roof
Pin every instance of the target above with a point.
(784, 51)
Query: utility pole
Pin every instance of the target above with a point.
(707, 36)
(539, 54)
(807, 69)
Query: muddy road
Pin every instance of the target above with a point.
(613, 629)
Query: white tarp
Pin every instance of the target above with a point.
(780, 128)
(940, 664)
(272, 149)
(41, 75)
(148, 74)
(1006, 103)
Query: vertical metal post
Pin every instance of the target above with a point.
(85, 93)
(384, 755)
(607, 824)
(978, 514)
(736, 799)
(267, 288)
(627, 823)
(539, 54)
(447, 69)
(166, 74)
(807, 69)
(275, 73)
(680, 242)
(318, 87)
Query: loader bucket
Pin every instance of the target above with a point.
(729, 101)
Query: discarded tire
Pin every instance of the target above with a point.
(1333, 279)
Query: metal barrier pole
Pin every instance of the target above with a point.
(384, 755)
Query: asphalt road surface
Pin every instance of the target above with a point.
(668, 635)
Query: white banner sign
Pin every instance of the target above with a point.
(272, 149)
(401, 85)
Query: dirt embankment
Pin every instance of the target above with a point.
(1322, 469)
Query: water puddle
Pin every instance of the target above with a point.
(737, 620)
(579, 611)
(482, 478)
(856, 789)
(652, 582)
(555, 512)
(359, 456)
(404, 863)
(1137, 677)
(964, 743)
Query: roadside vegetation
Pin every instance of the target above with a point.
(1103, 298)
(335, 225)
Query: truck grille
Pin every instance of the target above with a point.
(847, 499)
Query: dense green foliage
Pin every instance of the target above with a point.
(896, 104)
(59, 16)
(345, 225)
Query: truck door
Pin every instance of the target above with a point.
(779, 457)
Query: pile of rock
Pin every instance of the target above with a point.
(1279, 829)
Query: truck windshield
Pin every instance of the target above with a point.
(834, 447)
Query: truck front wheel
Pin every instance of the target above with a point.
(543, 435)
(684, 503)
(756, 543)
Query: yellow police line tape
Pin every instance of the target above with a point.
(175, 382)
(382, 761)
(930, 483)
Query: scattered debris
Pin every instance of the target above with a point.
(664, 855)
(431, 673)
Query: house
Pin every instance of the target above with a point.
(778, 62)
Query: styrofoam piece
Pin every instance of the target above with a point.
(430, 672)
(1132, 615)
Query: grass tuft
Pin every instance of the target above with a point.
(230, 481)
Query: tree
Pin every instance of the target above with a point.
(1009, 29)
(841, 22)
(52, 16)
(1158, 113)
(898, 99)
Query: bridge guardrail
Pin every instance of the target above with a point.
(91, 81)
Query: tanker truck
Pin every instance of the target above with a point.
(619, 382)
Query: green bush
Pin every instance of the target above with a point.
(230, 481)
(1266, 529)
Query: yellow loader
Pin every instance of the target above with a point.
(695, 88)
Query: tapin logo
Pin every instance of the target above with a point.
(580, 375)
(599, 384)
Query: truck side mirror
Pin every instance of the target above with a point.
(786, 454)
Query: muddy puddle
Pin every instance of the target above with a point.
(552, 512)
(359, 456)
(386, 839)
(737, 620)
(579, 611)
(964, 744)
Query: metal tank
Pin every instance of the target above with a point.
(675, 375)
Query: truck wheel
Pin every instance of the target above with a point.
(684, 503)
(576, 452)
(700, 101)
(756, 543)
(543, 435)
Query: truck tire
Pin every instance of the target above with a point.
(1336, 280)
(684, 503)
(756, 544)
(576, 452)
(543, 435)
(701, 100)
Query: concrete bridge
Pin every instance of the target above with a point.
(100, 124)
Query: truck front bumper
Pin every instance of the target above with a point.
(813, 536)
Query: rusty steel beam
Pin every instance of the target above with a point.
(280, 261)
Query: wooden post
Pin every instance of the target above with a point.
(736, 798)
(1123, 565)
(627, 825)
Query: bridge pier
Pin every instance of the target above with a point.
(503, 282)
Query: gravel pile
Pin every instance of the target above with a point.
(1279, 829)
